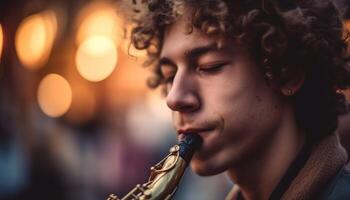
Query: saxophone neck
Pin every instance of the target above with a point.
(166, 175)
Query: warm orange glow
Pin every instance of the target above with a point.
(99, 19)
(1, 40)
(347, 24)
(34, 39)
(347, 94)
(347, 27)
(96, 58)
(54, 95)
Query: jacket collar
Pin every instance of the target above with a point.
(326, 159)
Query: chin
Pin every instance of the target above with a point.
(205, 168)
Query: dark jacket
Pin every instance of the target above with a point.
(323, 177)
(339, 187)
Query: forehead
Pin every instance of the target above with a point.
(177, 39)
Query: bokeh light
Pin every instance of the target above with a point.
(347, 27)
(347, 24)
(54, 95)
(96, 58)
(347, 94)
(1, 40)
(34, 39)
(99, 18)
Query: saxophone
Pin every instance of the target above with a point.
(166, 175)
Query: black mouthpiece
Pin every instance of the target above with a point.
(188, 145)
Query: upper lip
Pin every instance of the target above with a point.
(191, 130)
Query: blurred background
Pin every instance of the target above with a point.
(77, 120)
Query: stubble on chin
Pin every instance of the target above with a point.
(204, 167)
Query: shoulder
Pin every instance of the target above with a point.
(339, 187)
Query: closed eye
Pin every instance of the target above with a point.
(211, 67)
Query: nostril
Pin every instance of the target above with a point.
(188, 108)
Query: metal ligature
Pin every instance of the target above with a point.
(166, 175)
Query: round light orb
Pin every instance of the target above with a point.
(96, 58)
(34, 39)
(99, 18)
(54, 95)
(1, 40)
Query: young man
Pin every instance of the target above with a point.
(260, 82)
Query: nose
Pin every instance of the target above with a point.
(182, 94)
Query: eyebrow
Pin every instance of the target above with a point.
(191, 54)
(198, 51)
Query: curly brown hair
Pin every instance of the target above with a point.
(286, 38)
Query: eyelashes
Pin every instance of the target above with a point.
(211, 68)
(205, 69)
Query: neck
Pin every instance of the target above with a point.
(258, 177)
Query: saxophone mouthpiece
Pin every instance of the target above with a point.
(189, 145)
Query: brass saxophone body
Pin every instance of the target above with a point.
(166, 175)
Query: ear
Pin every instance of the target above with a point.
(292, 86)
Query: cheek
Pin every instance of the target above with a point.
(248, 110)
(243, 99)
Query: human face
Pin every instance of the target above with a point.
(219, 93)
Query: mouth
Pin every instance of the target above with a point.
(200, 131)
